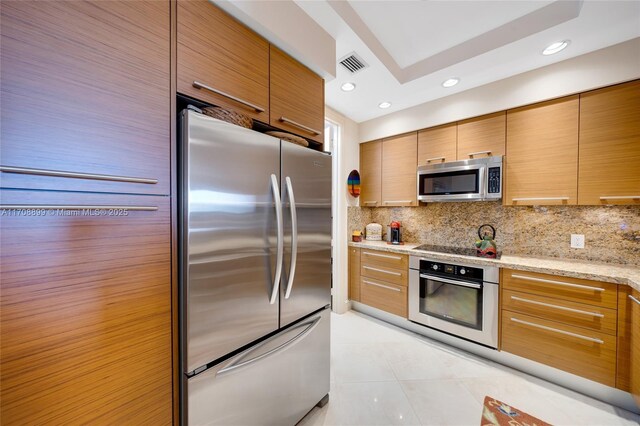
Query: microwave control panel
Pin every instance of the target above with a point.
(494, 180)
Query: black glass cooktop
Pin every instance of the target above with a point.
(462, 251)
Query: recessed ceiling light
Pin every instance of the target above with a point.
(450, 82)
(555, 47)
(384, 105)
(347, 87)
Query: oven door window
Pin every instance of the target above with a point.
(456, 303)
(449, 183)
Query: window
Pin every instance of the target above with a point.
(331, 131)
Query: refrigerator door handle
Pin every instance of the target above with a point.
(280, 239)
(241, 362)
(294, 237)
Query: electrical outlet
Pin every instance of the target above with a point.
(577, 241)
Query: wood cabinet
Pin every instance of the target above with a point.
(437, 144)
(383, 280)
(297, 97)
(354, 274)
(609, 171)
(623, 363)
(483, 136)
(399, 174)
(542, 153)
(635, 346)
(85, 311)
(86, 94)
(221, 61)
(371, 174)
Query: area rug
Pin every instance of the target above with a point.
(497, 413)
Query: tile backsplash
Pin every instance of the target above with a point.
(612, 233)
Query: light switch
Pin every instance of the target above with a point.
(577, 241)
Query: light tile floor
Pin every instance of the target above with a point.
(383, 375)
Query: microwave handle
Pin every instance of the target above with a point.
(448, 281)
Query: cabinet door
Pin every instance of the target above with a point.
(635, 347)
(624, 331)
(609, 171)
(221, 61)
(371, 174)
(85, 311)
(399, 174)
(437, 145)
(354, 274)
(482, 136)
(297, 97)
(86, 98)
(542, 153)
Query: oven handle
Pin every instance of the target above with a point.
(448, 281)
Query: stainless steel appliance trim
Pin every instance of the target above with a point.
(386, 256)
(294, 237)
(555, 330)
(471, 154)
(542, 280)
(541, 199)
(448, 281)
(634, 299)
(239, 362)
(382, 270)
(370, 202)
(398, 202)
(199, 85)
(75, 175)
(622, 197)
(74, 207)
(563, 308)
(428, 160)
(381, 285)
(280, 244)
(491, 273)
(301, 126)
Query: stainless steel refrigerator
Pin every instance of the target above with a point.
(255, 268)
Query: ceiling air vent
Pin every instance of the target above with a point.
(353, 63)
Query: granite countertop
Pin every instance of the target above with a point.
(619, 274)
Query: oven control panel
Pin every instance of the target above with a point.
(451, 270)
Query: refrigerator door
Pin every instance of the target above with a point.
(306, 197)
(273, 383)
(231, 216)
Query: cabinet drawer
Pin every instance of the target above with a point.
(383, 295)
(378, 258)
(570, 313)
(384, 273)
(566, 288)
(586, 353)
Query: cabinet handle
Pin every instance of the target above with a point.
(541, 199)
(398, 202)
(471, 154)
(555, 330)
(542, 280)
(380, 285)
(301, 126)
(199, 85)
(74, 207)
(370, 202)
(623, 197)
(59, 173)
(387, 256)
(563, 308)
(634, 299)
(434, 159)
(382, 270)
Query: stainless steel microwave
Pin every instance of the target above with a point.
(478, 179)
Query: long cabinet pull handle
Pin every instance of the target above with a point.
(563, 308)
(381, 285)
(555, 330)
(471, 154)
(199, 85)
(74, 207)
(75, 175)
(301, 126)
(634, 299)
(382, 270)
(542, 280)
(370, 202)
(280, 239)
(294, 237)
(386, 256)
(541, 199)
(398, 202)
(434, 159)
(622, 197)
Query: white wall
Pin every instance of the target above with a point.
(603, 67)
(347, 154)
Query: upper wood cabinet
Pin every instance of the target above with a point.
(542, 153)
(482, 136)
(635, 346)
(399, 174)
(297, 97)
(221, 61)
(86, 97)
(609, 171)
(371, 174)
(437, 144)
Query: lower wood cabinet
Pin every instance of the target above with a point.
(635, 346)
(383, 295)
(85, 310)
(354, 274)
(383, 280)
